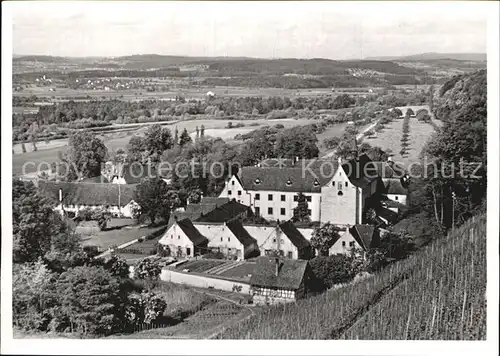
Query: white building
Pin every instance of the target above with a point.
(335, 192)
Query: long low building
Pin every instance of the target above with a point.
(117, 199)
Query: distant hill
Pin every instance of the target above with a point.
(479, 57)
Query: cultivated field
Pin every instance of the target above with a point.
(437, 293)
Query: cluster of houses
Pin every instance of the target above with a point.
(251, 220)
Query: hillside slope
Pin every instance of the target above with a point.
(437, 293)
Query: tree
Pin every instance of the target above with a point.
(301, 211)
(96, 306)
(202, 131)
(324, 237)
(409, 112)
(117, 266)
(332, 270)
(397, 111)
(176, 136)
(147, 269)
(195, 196)
(343, 101)
(85, 155)
(185, 138)
(297, 142)
(156, 198)
(34, 223)
(331, 142)
(392, 247)
(157, 140)
(197, 131)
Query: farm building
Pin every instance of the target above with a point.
(74, 197)
(275, 280)
(134, 173)
(182, 239)
(195, 211)
(395, 189)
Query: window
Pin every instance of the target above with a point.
(290, 254)
(316, 183)
(188, 251)
(281, 241)
(270, 197)
(340, 193)
(396, 197)
(228, 192)
(308, 198)
(274, 240)
(343, 243)
(295, 198)
(228, 239)
(228, 250)
(221, 239)
(239, 192)
(257, 196)
(267, 252)
(257, 181)
(270, 211)
(282, 253)
(232, 182)
(283, 211)
(346, 184)
(283, 197)
(288, 182)
(340, 185)
(351, 244)
(178, 237)
(333, 184)
(257, 210)
(171, 236)
(309, 212)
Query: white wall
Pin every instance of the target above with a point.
(400, 198)
(220, 236)
(340, 209)
(174, 238)
(272, 238)
(247, 197)
(202, 281)
(126, 211)
(347, 239)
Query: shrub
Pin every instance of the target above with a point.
(333, 270)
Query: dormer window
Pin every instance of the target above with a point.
(289, 182)
(316, 183)
(257, 181)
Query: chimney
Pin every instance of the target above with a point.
(60, 195)
(339, 161)
(277, 264)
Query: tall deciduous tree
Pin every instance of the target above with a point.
(297, 142)
(156, 198)
(301, 211)
(85, 155)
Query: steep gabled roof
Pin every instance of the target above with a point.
(365, 235)
(389, 169)
(89, 193)
(224, 213)
(361, 171)
(305, 176)
(294, 235)
(214, 201)
(240, 233)
(192, 232)
(394, 186)
(290, 273)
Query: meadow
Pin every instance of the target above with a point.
(436, 293)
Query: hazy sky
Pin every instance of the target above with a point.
(280, 29)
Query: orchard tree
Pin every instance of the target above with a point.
(195, 196)
(297, 141)
(157, 140)
(324, 237)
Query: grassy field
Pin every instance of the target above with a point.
(389, 139)
(105, 239)
(437, 293)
